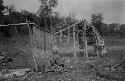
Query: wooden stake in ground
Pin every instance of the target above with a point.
(86, 46)
(61, 35)
(68, 36)
(15, 28)
(77, 38)
(44, 42)
(30, 34)
(51, 32)
(74, 38)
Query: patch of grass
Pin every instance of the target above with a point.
(84, 70)
(116, 54)
(115, 42)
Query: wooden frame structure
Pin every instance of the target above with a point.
(28, 24)
(84, 29)
(74, 35)
(53, 34)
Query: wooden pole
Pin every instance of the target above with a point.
(51, 32)
(74, 38)
(77, 38)
(55, 39)
(15, 27)
(50, 26)
(15, 24)
(86, 46)
(68, 37)
(61, 35)
(45, 34)
(30, 34)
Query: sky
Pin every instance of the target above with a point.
(113, 10)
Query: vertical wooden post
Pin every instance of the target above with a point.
(51, 32)
(44, 41)
(68, 37)
(31, 45)
(15, 28)
(61, 36)
(74, 38)
(86, 46)
(52, 40)
(55, 39)
(77, 38)
(45, 34)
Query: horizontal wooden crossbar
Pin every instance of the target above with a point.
(14, 24)
(68, 27)
(62, 24)
(19, 24)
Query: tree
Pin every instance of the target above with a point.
(2, 7)
(71, 18)
(46, 6)
(96, 20)
(114, 29)
(11, 8)
(106, 28)
(45, 12)
(32, 17)
(122, 29)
